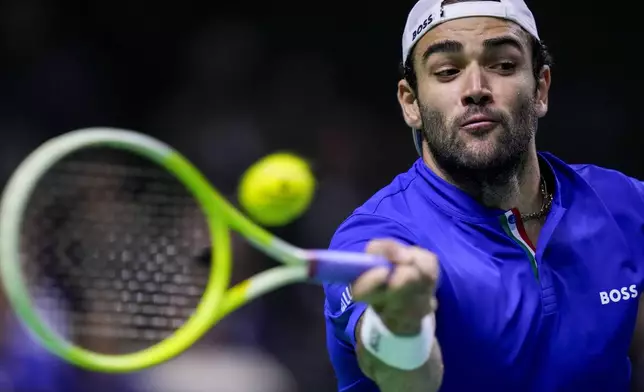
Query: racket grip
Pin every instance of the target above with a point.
(342, 267)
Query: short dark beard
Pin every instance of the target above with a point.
(490, 171)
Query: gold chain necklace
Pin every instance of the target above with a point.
(545, 206)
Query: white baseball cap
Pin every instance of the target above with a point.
(428, 14)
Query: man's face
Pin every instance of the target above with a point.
(477, 98)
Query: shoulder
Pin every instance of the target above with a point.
(602, 178)
(388, 213)
(612, 186)
(620, 195)
(383, 215)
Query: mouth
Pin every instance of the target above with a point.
(479, 124)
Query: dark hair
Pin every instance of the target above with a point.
(540, 58)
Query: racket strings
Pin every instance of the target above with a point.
(109, 246)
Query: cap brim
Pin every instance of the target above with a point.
(418, 140)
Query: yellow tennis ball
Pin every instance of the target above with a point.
(277, 189)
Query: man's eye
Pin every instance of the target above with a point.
(447, 72)
(505, 66)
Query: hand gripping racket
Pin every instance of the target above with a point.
(99, 234)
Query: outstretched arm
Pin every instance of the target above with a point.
(402, 301)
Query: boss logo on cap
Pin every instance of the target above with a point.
(422, 26)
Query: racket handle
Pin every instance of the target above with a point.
(342, 267)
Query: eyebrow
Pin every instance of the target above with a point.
(496, 42)
(450, 46)
(447, 46)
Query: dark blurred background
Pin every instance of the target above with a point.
(227, 82)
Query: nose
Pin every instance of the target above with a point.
(476, 90)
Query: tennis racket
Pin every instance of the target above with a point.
(101, 230)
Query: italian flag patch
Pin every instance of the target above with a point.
(513, 227)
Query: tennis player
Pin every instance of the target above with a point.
(537, 265)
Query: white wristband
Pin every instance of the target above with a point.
(400, 352)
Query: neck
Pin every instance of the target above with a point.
(516, 187)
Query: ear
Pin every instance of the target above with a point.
(409, 105)
(543, 88)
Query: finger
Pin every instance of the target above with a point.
(405, 277)
(390, 249)
(370, 283)
(408, 296)
(433, 304)
(408, 289)
(427, 264)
